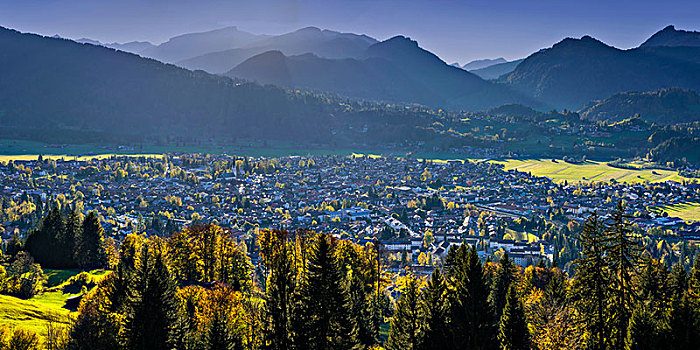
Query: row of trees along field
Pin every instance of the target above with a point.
(198, 289)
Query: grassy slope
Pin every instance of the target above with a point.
(589, 171)
(689, 211)
(33, 314)
(36, 312)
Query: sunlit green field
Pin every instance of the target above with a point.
(560, 171)
(689, 211)
(35, 313)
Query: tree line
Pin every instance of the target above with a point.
(616, 298)
(67, 241)
(204, 288)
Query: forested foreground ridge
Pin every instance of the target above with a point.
(199, 288)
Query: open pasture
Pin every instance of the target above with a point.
(589, 171)
(688, 211)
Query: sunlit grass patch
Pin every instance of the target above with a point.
(589, 171)
(688, 211)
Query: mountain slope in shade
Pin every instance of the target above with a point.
(478, 64)
(52, 87)
(496, 70)
(576, 71)
(395, 70)
(670, 36)
(322, 43)
(666, 106)
(196, 44)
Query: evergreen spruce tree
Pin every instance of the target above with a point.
(90, 252)
(652, 286)
(43, 243)
(70, 237)
(512, 328)
(642, 332)
(278, 299)
(683, 324)
(471, 313)
(323, 301)
(678, 280)
(502, 279)
(622, 253)
(435, 310)
(407, 323)
(591, 285)
(152, 310)
(362, 311)
(116, 287)
(694, 281)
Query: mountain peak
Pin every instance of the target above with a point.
(584, 42)
(670, 36)
(398, 47)
(401, 39)
(309, 29)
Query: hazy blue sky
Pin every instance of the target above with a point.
(454, 30)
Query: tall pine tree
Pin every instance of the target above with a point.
(407, 323)
(471, 313)
(623, 251)
(152, 310)
(512, 327)
(435, 310)
(505, 275)
(90, 250)
(278, 296)
(591, 285)
(46, 243)
(643, 330)
(323, 304)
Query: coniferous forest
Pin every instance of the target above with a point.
(197, 288)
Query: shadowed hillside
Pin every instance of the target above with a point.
(393, 70)
(576, 71)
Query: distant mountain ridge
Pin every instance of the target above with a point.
(56, 90)
(483, 63)
(193, 44)
(322, 43)
(132, 46)
(670, 36)
(568, 75)
(497, 70)
(575, 71)
(396, 69)
(52, 88)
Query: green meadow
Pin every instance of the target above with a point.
(589, 171)
(35, 313)
(688, 211)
